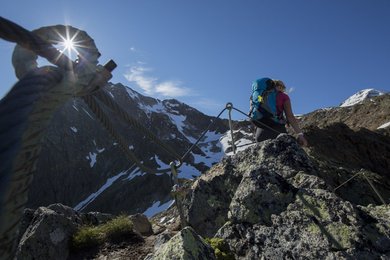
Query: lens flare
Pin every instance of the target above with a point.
(68, 45)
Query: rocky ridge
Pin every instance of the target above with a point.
(276, 200)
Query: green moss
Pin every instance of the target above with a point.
(315, 207)
(88, 236)
(221, 248)
(342, 234)
(184, 245)
(314, 229)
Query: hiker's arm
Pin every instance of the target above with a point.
(293, 122)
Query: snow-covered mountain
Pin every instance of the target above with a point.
(82, 166)
(360, 96)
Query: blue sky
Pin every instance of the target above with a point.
(207, 53)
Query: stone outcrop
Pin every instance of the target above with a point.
(48, 235)
(270, 201)
(141, 224)
(46, 232)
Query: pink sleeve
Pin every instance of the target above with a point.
(280, 100)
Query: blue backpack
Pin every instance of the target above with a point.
(263, 101)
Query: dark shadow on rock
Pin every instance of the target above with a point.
(208, 205)
(341, 152)
(324, 231)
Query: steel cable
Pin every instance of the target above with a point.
(106, 122)
(14, 33)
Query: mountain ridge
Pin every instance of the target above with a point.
(275, 199)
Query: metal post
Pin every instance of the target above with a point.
(175, 192)
(229, 106)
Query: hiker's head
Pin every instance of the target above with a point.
(280, 85)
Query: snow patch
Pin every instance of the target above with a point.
(134, 174)
(88, 114)
(360, 97)
(386, 125)
(161, 164)
(93, 196)
(241, 144)
(92, 157)
(157, 207)
(188, 171)
(132, 93)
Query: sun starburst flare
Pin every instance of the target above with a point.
(68, 44)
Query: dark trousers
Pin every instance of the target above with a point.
(268, 129)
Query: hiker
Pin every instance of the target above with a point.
(269, 105)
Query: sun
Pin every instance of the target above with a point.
(68, 45)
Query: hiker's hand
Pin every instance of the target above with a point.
(302, 140)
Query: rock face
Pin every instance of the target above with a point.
(184, 245)
(270, 201)
(80, 164)
(141, 224)
(47, 236)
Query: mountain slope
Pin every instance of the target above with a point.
(360, 96)
(277, 200)
(82, 166)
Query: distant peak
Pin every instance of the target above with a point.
(361, 96)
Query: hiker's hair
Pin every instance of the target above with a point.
(279, 83)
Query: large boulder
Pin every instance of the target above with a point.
(316, 225)
(282, 159)
(48, 235)
(275, 205)
(208, 205)
(141, 224)
(260, 194)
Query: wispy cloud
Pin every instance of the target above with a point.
(136, 74)
(290, 90)
(139, 74)
(172, 89)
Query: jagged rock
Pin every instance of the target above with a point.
(341, 152)
(376, 226)
(48, 235)
(304, 180)
(317, 225)
(206, 208)
(260, 194)
(27, 217)
(95, 218)
(66, 212)
(141, 224)
(185, 245)
(284, 156)
(209, 203)
(282, 208)
(161, 239)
